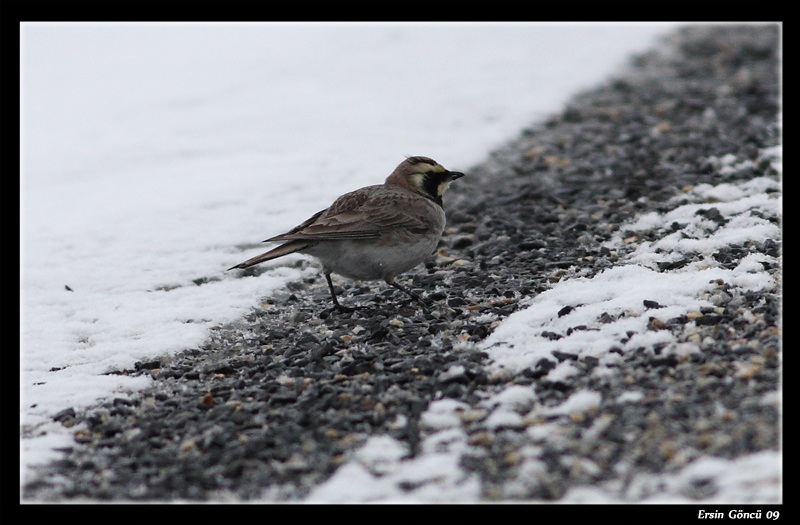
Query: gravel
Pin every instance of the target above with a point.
(272, 405)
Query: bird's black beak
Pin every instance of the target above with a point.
(455, 175)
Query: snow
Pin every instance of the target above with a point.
(618, 295)
(442, 414)
(580, 401)
(156, 155)
(432, 476)
(517, 397)
(749, 479)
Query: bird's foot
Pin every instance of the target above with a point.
(346, 309)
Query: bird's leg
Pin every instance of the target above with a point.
(333, 296)
(407, 291)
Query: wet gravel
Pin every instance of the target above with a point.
(274, 403)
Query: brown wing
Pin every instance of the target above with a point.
(296, 229)
(361, 214)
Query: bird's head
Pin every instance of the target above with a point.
(424, 176)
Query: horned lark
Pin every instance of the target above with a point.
(376, 232)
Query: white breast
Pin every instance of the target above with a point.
(384, 258)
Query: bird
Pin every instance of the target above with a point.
(376, 232)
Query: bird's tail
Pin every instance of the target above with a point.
(279, 251)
